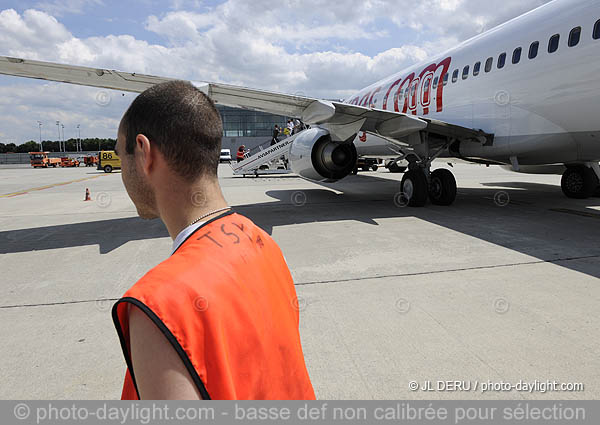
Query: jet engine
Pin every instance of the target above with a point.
(315, 156)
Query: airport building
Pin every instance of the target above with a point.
(240, 127)
(249, 128)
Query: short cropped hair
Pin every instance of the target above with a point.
(182, 122)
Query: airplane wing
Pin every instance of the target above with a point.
(342, 120)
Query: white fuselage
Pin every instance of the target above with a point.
(542, 110)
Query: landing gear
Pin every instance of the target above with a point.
(579, 182)
(419, 182)
(442, 187)
(393, 167)
(415, 187)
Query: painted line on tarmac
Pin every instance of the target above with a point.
(23, 192)
(527, 263)
(464, 269)
(59, 303)
(576, 212)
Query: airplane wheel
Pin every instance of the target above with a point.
(442, 187)
(414, 186)
(579, 182)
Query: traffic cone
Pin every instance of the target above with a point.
(87, 195)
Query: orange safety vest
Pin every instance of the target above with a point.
(240, 154)
(226, 302)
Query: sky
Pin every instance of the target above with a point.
(316, 48)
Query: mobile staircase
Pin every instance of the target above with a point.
(266, 160)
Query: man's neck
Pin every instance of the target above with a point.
(178, 209)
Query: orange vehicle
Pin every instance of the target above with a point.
(90, 160)
(68, 162)
(41, 159)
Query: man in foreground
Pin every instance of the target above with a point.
(219, 318)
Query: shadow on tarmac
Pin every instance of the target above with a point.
(108, 234)
(539, 222)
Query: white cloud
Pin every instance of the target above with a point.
(179, 26)
(22, 105)
(30, 34)
(185, 4)
(63, 7)
(284, 46)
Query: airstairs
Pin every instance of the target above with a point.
(266, 160)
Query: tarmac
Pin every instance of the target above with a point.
(500, 288)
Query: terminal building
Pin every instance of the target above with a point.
(240, 127)
(249, 128)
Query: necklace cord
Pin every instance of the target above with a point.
(208, 214)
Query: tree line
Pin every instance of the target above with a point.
(94, 144)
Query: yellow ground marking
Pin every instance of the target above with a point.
(23, 192)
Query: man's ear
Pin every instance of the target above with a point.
(145, 153)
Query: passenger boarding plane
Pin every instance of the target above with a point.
(525, 95)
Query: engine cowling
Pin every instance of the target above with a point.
(315, 156)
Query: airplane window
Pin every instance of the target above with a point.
(465, 72)
(501, 60)
(446, 75)
(574, 36)
(596, 34)
(533, 49)
(476, 68)
(435, 82)
(516, 55)
(488, 64)
(455, 76)
(553, 43)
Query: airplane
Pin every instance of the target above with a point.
(524, 95)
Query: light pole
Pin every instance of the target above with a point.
(58, 128)
(41, 147)
(63, 138)
(79, 147)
